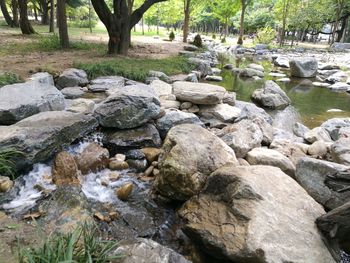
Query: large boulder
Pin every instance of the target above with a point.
(255, 214)
(147, 251)
(271, 96)
(72, 77)
(19, 101)
(333, 126)
(282, 62)
(324, 181)
(106, 83)
(242, 137)
(128, 108)
(173, 118)
(145, 136)
(340, 151)
(92, 159)
(271, 157)
(317, 134)
(161, 88)
(303, 67)
(220, 113)
(190, 154)
(251, 111)
(203, 66)
(198, 93)
(40, 136)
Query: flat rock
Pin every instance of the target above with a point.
(282, 62)
(220, 113)
(102, 84)
(198, 93)
(213, 78)
(72, 92)
(161, 88)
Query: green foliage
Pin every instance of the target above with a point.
(8, 78)
(7, 165)
(79, 246)
(171, 36)
(266, 35)
(197, 41)
(214, 36)
(223, 40)
(79, 17)
(137, 69)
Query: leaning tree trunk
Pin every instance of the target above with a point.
(14, 4)
(62, 23)
(52, 16)
(24, 23)
(6, 14)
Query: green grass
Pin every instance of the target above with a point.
(136, 69)
(8, 78)
(7, 166)
(79, 246)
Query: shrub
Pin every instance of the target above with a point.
(171, 36)
(214, 36)
(197, 41)
(7, 165)
(80, 246)
(266, 35)
(223, 40)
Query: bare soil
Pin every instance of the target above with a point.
(54, 62)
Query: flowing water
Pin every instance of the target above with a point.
(314, 104)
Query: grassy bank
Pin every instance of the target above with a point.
(136, 69)
(8, 78)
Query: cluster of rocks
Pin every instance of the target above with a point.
(247, 193)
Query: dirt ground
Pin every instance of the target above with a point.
(26, 64)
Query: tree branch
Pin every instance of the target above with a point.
(102, 11)
(138, 13)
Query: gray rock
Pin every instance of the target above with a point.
(277, 75)
(72, 92)
(242, 137)
(147, 251)
(138, 165)
(83, 106)
(190, 48)
(322, 180)
(320, 84)
(318, 149)
(42, 135)
(213, 78)
(339, 86)
(282, 62)
(338, 46)
(251, 111)
(202, 65)
(220, 113)
(228, 66)
(327, 66)
(42, 78)
(160, 75)
(216, 71)
(256, 67)
(293, 150)
(190, 154)
(340, 151)
(333, 126)
(249, 73)
(271, 96)
(261, 46)
(264, 156)
(230, 98)
(173, 118)
(128, 108)
(19, 101)
(316, 134)
(72, 77)
(170, 104)
(303, 67)
(192, 77)
(145, 136)
(102, 84)
(300, 129)
(339, 76)
(161, 88)
(198, 93)
(253, 214)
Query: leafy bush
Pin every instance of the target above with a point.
(197, 41)
(137, 69)
(79, 246)
(266, 35)
(214, 36)
(223, 40)
(7, 165)
(171, 36)
(8, 78)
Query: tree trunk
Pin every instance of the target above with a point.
(241, 29)
(62, 22)
(6, 14)
(187, 5)
(24, 23)
(35, 12)
(14, 4)
(52, 16)
(44, 6)
(143, 26)
(341, 33)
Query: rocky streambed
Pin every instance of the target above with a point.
(176, 170)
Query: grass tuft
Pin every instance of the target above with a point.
(8, 78)
(7, 165)
(137, 69)
(79, 246)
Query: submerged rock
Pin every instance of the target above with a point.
(128, 108)
(190, 154)
(40, 136)
(255, 214)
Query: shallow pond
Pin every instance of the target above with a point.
(313, 103)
